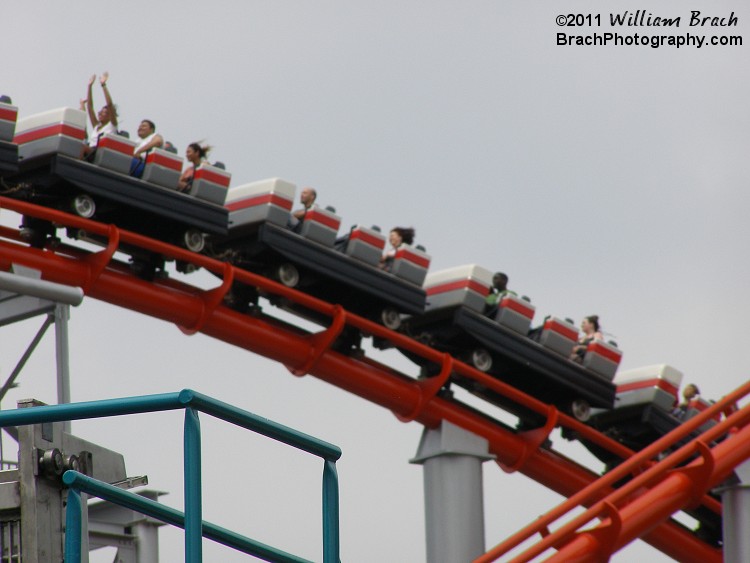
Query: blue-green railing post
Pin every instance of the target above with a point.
(191, 521)
(73, 527)
(152, 508)
(330, 513)
(193, 506)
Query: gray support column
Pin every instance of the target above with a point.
(24, 295)
(454, 507)
(62, 314)
(147, 546)
(735, 501)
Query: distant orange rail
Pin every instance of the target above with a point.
(606, 505)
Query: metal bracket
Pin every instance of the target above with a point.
(211, 299)
(533, 440)
(699, 473)
(429, 388)
(98, 261)
(321, 341)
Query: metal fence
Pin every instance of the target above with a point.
(191, 519)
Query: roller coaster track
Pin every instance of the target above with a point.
(193, 309)
(651, 495)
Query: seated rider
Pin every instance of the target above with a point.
(690, 393)
(195, 155)
(307, 198)
(589, 332)
(149, 140)
(498, 290)
(397, 237)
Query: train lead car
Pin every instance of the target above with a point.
(245, 224)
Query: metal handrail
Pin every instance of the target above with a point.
(79, 483)
(192, 522)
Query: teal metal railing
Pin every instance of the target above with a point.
(191, 520)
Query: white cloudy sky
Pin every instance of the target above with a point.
(608, 180)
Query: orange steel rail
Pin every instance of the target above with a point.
(676, 489)
(197, 310)
(657, 471)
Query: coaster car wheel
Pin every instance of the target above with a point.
(194, 240)
(84, 206)
(287, 274)
(390, 318)
(481, 359)
(580, 409)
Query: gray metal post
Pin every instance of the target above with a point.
(147, 547)
(24, 295)
(454, 508)
(25, 281)
(136, 536)
(735, 502)
(62, 314)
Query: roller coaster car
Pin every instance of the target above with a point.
(49, 172)
(644, 412)
(8, 149)
(455, 322)
(309, 259)
(246, 224)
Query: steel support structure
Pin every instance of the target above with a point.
(452, 461)
(735, 501)
(62, 353)
(22, 296)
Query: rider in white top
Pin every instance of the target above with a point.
(150, 139)
(106, 120)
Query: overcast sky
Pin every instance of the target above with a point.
(609, 180)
